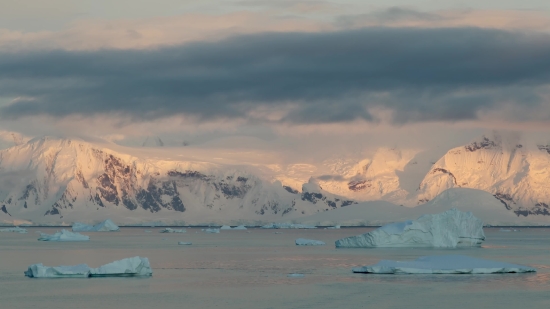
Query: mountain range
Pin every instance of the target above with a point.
(51, 181)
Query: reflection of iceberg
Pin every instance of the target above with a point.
(64, 235)
(448, 229)
(135, 266)
(105, 226)
(169, 230)
(309, 242)
(14, 230)
(443, 264)
(214, 231)
(287, 225)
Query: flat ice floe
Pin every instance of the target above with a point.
(129, 267)
(64, 235)
(105, 226)
(14, 230)
(169, 230)
(184, 243)
(443, 264)
(450, 229)
(309, 242)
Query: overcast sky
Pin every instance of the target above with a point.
(197, 71)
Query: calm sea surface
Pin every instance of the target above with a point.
(248, 269)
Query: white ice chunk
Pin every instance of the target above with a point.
(41, 271)
(443, 264)
(214, 231)
(135, 266)
(225, 227)
(295, 275)
(64, 235)
(169, 230)
(183, 243)
(105, 226)
(14, 230)
(333, 227)
(448, 230)
(308, 242)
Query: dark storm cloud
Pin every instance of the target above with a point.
(420, 74)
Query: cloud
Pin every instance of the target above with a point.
(410, 74)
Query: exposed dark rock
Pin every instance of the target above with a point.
(444, 171)
(4, 210)
(347, 203)
(505, 199)
(484, 144)
(289, 189)
(544, 148)
(358, 185)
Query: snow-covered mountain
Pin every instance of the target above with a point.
(51, 181)
(516, 174)
(54, 180)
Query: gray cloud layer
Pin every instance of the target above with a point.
(419, 74)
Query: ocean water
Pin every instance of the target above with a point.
(248, 269)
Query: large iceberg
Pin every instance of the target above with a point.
(64, 235)
(14, 230)
(443, 264)
(169, 230)
(447, 230)
(309, 242)
(105, 226)
(135, 266)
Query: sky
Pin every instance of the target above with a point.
(310, 78)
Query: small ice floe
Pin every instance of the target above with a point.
(287, 225)
(213, 231)
(443, 264)
(129, 267)
(147, 231)
(64, 235)
(14, 230)
(169, 230)
(309, 242)
(105, 226)
(332, 227)
(183, 243)
(295, 275)
(450, 229)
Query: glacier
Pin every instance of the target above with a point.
(105, 226)
(450, 229)
(309, 242)
(135, 266)
(64, 235)
(443, 264)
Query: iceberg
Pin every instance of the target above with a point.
(183, 243)
(295, 275)
(214, 231)
(309, 242)
(225, 227)
(129, 267)
(450, 229)
(14, 230)
(105, 226)
(443, 264)
(135, 266)
(169, 230)
(333, 227)
(64, 235)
